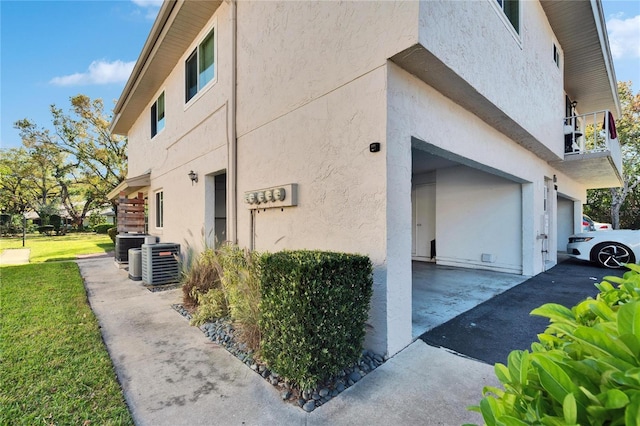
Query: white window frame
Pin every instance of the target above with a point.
(499, 8)
(158, 124)
(158, 200)
(201, 88)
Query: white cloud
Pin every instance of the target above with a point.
(624, 36)
(151, 6)
(99, 72)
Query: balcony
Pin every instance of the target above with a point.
(592, 153)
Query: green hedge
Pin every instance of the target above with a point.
(314, 307)
(112, 232)
(585, 369)
(102, 228)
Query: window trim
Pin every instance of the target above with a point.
(507, 23)
(194, 54)
(158, 197)
(154, 115)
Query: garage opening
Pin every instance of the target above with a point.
(466, 235)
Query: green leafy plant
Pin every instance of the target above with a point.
(585, 369)
(112, 232)
(199, 277)
(225, 282)
(102, 228)
(314, 307)
(241, 287)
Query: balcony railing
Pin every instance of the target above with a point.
(592, 153)
(590, 133)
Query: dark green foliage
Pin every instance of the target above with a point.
(314, 307)
(46, 229)
(585, 369)
(102, 228)
(55, 220)
(112, 232)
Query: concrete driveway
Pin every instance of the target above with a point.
(489, 331)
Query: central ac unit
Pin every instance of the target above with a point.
(124, 242)
(160, 263)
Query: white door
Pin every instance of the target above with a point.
(424, 220)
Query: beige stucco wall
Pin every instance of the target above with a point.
(417, 110)
(474, 39)
(194, 138)
(314, 89)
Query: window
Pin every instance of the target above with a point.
(200, 67)
(556, 55)
(159, 209)
(157, 115)
(511, 9)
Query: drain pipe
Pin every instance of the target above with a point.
(232, 158)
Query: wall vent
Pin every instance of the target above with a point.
(160, 263)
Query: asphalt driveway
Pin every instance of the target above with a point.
(494, 328)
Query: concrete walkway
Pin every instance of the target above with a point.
(172, 374)
(14, 257)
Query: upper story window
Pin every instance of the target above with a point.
(556, 55)
(511, 9)
(200, 67)
(157, 115)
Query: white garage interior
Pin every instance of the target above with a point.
(466, 235)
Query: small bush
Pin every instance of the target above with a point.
(222, 283)
(585, 369)
(112, 232)
(202, 276)
(241, 286)
(56, 221)
(102, 228)
(45, 229)
(314, 307)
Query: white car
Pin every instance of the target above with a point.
(589, 224)
(608, 249)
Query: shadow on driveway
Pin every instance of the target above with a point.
(494, 328)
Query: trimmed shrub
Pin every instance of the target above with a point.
(56, 221)
(45, 229)
(314, 307)
(102, 228)
(112, 232)
(585, 369)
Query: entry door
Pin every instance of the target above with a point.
(424, 223)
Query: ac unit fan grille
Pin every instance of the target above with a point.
(160, 263)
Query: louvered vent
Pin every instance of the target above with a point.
(125, 242)
(160, 263)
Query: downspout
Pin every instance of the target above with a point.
(232, 166)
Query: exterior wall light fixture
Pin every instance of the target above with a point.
(193, 176)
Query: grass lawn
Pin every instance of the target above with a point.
(54, 367)
(64, 247)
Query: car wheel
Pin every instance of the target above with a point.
(612, 255)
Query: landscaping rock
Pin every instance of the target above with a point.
(309, 406)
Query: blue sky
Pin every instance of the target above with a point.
(52, 50)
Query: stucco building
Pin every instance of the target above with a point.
(436, 130)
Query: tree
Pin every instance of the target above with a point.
(89, 160)
(16, 183)
(621, 204)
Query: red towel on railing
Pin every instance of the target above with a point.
(613, 134)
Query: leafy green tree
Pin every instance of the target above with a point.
(90, 160)
(622, 205)
(16, 181)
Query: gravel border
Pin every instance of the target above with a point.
(221, 332)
